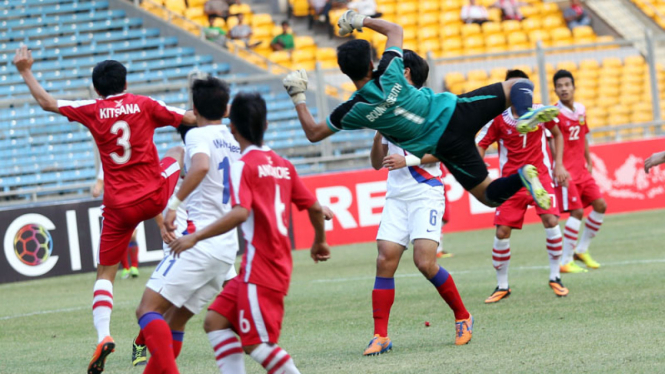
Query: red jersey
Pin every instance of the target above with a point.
(267, 185)
(574, 128)
(515, 149)
(123, 127)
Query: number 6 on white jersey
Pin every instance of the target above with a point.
(123, 141)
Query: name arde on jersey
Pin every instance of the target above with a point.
(221, 143)
(277, 172)
(131, 108)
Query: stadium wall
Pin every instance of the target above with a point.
(357, 197)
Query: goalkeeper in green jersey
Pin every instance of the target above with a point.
(419, 120)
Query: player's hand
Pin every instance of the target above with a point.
(295, 84)
(350, 21)
(23, 59)
(320, 252)
(561, 175)
(96, 191)
(167, 236)
(182, 244)
(169, 220)
(393, 162)
(590, 168)
(327, 213)
(654, 160)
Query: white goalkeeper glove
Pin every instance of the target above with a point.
(296, 84)
(350, 21)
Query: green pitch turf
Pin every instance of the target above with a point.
(612, 321)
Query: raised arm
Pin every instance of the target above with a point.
(378, 152)
(295, 84)
(351, 20)
(23, 61)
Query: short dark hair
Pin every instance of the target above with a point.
(183, 129)
(563, 74)
(516, 73)
(285, 23)
(354, 58)
(109, 77)
(210, 96)
(249, 116)
(418, 66)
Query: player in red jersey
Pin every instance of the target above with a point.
(263, 187)
(516, 149)
(582, 189)
(138, 185)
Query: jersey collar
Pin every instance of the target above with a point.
(116, 95)
(264, 148)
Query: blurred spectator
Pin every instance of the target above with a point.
(218, 9)
(283, 41)
(510, 9)
(216, 35)
(474, 13)
(364, 7)
(576, 15)
(242, 32)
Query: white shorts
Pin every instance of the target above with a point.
(192, 280)
(405, 221)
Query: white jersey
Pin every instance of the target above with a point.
(413, 181)
(211, 199)
(180, 218)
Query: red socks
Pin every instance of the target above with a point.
(446, 286)
(124, 261)
(160, 344)
(178, 337)
(383, 297)
(134, 254)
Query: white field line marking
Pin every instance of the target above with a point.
(411, 275)
(53, 311)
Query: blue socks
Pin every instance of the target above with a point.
(381, 283)
(521, 96)
(440, 278)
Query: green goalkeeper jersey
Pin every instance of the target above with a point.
(414, 119)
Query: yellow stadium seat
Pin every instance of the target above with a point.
(457, 88)
(404, 7)
(497, 74)
(429, 32)
(470, 29)
(496, 42)
(618, 119)
(431, 45)
(276, 30)
(304, 43)
(527, 69)
(449, 30)
(641, 117)
(427, 19)
(536, 35)
(196, 3)
(494, 14)
(177, 6)
(299, 56)
(517, 40)
(589, 64)
(567, 65)
(429, 7)
(561, 33)
(262, 19)
(406, 20)
(230, 22)
(451, 44)
(473, 42)
(510, 26)
(326, 53)
(634, 61)
(448, 5)
(218, 22)
(529, 12)
(612, 62)
(491, 27)
(582, 31)
(548, 8)
(390, 8)
(552, 22)
(411, 44)
(240, 8)
(628, 100)
(477, 75)
(532, 24)
(262, 32)
(410, 33)
(587, 75)
(280, 57)
(300, 9)
(194, 12)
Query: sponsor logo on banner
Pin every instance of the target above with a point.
(357, 197)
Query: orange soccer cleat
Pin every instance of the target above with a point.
(558, 288)
(378, 345)
(498, 295)
(104, 348)
(463, 330)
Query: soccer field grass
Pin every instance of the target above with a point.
(612, 321)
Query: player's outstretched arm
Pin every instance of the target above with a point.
(195, 174)
(392, 31)
(189, 118)
(482, 151)
(320, 250)
(653, 161)
(378, 152)
(295, 84)
(23, 61)
(233, 219)
(560, 173)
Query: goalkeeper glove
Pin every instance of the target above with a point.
(350, 21)
(295, 84)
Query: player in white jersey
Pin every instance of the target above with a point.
(413, 213)
(190, 281)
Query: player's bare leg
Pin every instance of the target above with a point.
(225, 344)
(570, 235)
(383, 295)
(501, 261)
(157, 333)
(591, 227)
(424, 256)
(494, 192)
(554, 252)
(177, 153)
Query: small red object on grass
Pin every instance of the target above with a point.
(426, 324)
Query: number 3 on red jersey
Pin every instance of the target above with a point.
(122, 141)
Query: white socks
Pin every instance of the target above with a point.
(593, 223)
(228, 351)
(570, 233)
(274, 359)
(102, 305)
(500, 261)
(554, 250)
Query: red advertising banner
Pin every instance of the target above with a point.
(357, 197)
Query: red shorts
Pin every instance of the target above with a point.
(256, 312)
(118, 224)
(578, 195)
(511, 213)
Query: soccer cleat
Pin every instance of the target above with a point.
(124, 274)
(558, 288)
(498, 295)
(587, 260)
(378, 345)
(444, 254)
(104, 348)
(134, 272)
(139, 356)
(572, 268)
(529, 175)
(463, 330)
(529, 121)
